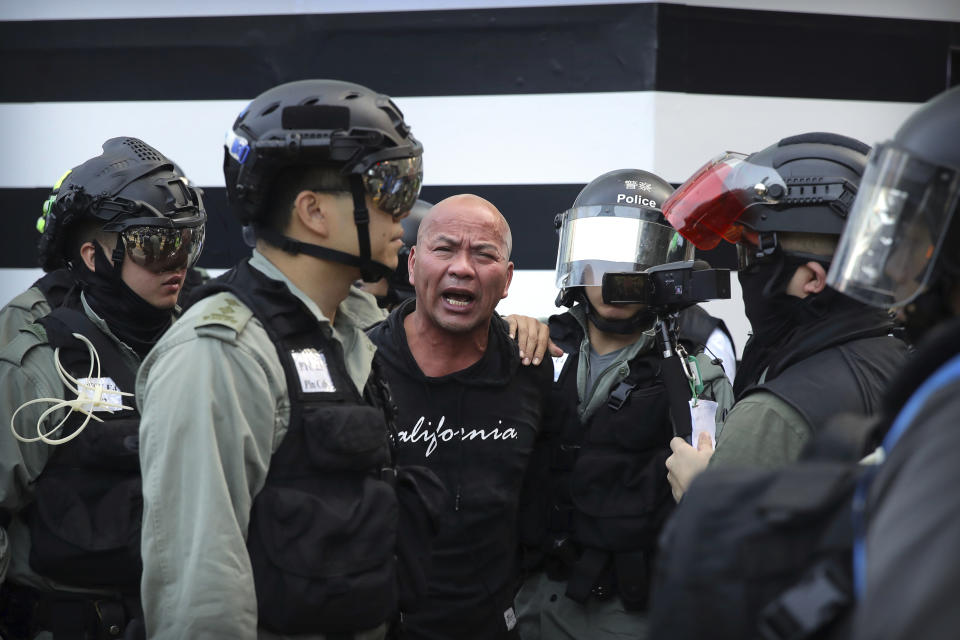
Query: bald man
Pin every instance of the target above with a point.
(468, 410)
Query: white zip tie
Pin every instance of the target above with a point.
(84, 405)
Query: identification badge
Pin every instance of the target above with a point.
(558, 362)
(313, 371)
(110, 400)
(703, 417)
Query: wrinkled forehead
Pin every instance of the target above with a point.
(473, 227)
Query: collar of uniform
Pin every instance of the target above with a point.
(357, 349)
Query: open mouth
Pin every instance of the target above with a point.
(173, 281)
(459, 299)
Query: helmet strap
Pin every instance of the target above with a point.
(368, 268)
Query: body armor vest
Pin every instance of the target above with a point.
(85, 521)
(845, 378)
(323, 528)
(607, 496)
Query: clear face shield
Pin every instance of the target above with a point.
(895, 230)
(598, 239)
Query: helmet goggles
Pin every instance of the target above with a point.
(706, 208)
(394, 185)
(159, 241)
(896, 229)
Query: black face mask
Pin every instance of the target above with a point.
(774, 314)
(770, 309)
(135, 321)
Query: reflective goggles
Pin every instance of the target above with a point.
(394, 185)
(705, 208)
(895, 231)
(601, 239)
(162, 249)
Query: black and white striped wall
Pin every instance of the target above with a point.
(520, 101)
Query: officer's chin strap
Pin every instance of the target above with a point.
(370, 270)
(294, 247)
(681, 381)
(90, 397)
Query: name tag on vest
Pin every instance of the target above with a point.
(110, 399)
(313, 371)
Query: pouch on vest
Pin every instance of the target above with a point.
(323, 549)
(85, 531)
(619, 485)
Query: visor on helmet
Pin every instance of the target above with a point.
(895, 231)
(394, 185)
(705, 208)
(163, 248)
(598, 239)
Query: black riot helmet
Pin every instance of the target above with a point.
(902, 244)
(615, 224)
(133, 190)
(323, 122)
(802, 184)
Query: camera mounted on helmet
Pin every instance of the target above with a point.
(133, 190)
(312, 122)
(804, 184)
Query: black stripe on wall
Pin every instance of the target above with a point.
(495, 51)
(529, 209)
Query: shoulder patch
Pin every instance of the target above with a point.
(222, 310)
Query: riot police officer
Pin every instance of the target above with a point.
(814, 353)
(271, 500)
(596, 495)
(901, 249)
(127, 226)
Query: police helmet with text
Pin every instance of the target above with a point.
(615, 224)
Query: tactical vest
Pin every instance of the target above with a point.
(323, 528)
(604, 495)
(845, 378)
(85, 520)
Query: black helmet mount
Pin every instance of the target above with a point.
(820, 175)
(130, 185)
(622, 204)
(323, 121)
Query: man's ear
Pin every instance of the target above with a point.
(816, 281)
(87, 252)
(506, 286)
(311, 210)
(411, 262)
